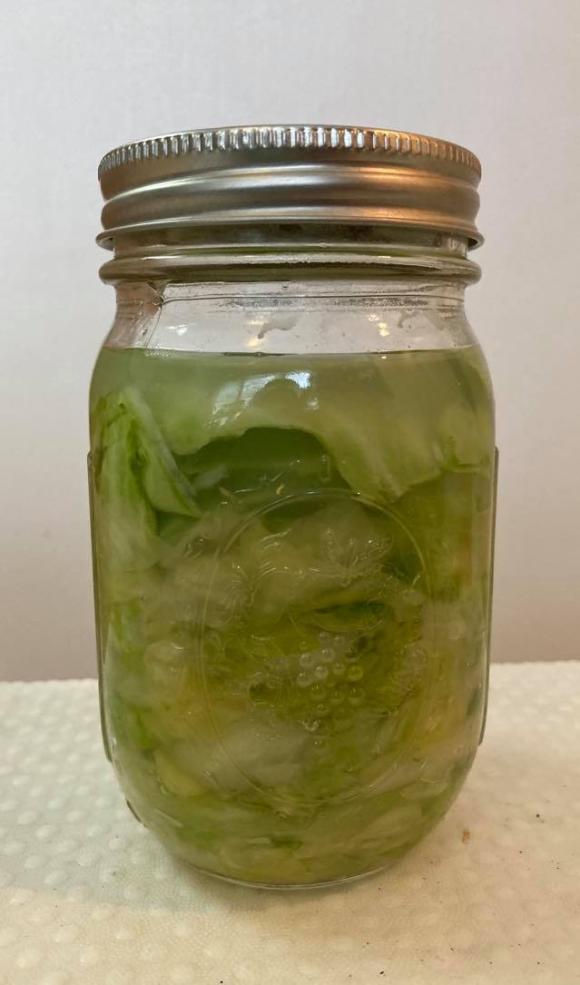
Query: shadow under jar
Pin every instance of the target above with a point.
(292, 484)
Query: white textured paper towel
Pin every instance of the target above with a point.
(88, 897)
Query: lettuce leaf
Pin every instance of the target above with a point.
(293, 590)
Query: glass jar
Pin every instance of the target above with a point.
(292, 478)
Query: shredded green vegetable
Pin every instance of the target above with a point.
(292, 559)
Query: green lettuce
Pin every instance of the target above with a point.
(293, 582)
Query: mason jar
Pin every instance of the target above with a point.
(292, 485)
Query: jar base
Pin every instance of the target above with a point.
(297, 887)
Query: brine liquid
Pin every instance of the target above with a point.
(292, 558)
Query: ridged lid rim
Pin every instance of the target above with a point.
(290, 137)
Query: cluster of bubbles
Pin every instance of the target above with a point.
(329, 677)
(326, 676)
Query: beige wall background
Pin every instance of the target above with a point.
(80, 76)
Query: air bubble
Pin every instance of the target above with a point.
(337, 697)
(317, 691)
(321, 673)
(322, 710)
(312, 725)
(355, 673)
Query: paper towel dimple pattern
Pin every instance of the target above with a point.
(88, 897)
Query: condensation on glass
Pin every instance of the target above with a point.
(292, 486)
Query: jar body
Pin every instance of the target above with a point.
(292, 489)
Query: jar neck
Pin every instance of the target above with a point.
(290, 251)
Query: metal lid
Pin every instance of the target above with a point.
(290, 174)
